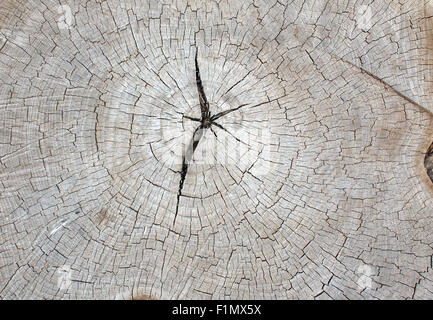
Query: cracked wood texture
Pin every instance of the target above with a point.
(313, 185)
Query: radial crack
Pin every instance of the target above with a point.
(223, 113)
(206, 122)
(186, 159)
(192, 118)
(224, 129)
(204, 104)
(198, 133)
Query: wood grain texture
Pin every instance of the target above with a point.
(313, 185)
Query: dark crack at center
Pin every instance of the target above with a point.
(206, 122)
(198, 133)
(204, 104)
(428, 161)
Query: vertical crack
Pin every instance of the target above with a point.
(187, 157)
(198, 133)
(223, 113)
(204, 104)
(206, 122)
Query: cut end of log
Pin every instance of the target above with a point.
(216, 149)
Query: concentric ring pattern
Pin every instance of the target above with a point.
(311, 185)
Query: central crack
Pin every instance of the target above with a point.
(204, 104)
(206, 122)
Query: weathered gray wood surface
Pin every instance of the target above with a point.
(316, 188)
